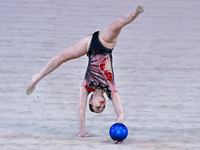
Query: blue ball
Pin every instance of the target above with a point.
(118, 132)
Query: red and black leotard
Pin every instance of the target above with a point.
(99, 73)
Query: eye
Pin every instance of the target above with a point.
(104, 106)
(98, 107)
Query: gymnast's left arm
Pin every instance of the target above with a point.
(118, 108)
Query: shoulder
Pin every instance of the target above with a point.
(88, 40)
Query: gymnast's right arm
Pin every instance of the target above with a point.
(81, 112)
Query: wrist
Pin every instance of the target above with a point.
(120, 118)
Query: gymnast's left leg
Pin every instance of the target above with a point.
(109, 34)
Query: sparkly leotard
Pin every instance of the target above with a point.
(99, 73)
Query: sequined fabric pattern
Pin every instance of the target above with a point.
(99, 73)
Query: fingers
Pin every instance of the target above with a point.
(85, 135)
(77, 134)
(116, 142)
(89, 135)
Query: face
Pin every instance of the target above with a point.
(98, 103)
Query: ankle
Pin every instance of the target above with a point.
(135, 14)
(34, 80)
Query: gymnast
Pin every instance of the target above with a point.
(99, 76)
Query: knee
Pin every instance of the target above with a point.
(120, 23)
(62, 58)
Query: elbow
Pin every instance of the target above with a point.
(120, 23)
(81, 112)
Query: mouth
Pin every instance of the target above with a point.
(102, 102)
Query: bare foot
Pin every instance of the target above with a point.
(139, 9)
(32, 85)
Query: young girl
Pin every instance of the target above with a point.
(99, 76)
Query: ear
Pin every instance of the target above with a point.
(90, 101)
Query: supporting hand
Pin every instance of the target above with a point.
(83, 135)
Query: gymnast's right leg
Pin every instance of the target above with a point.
(75, 51)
